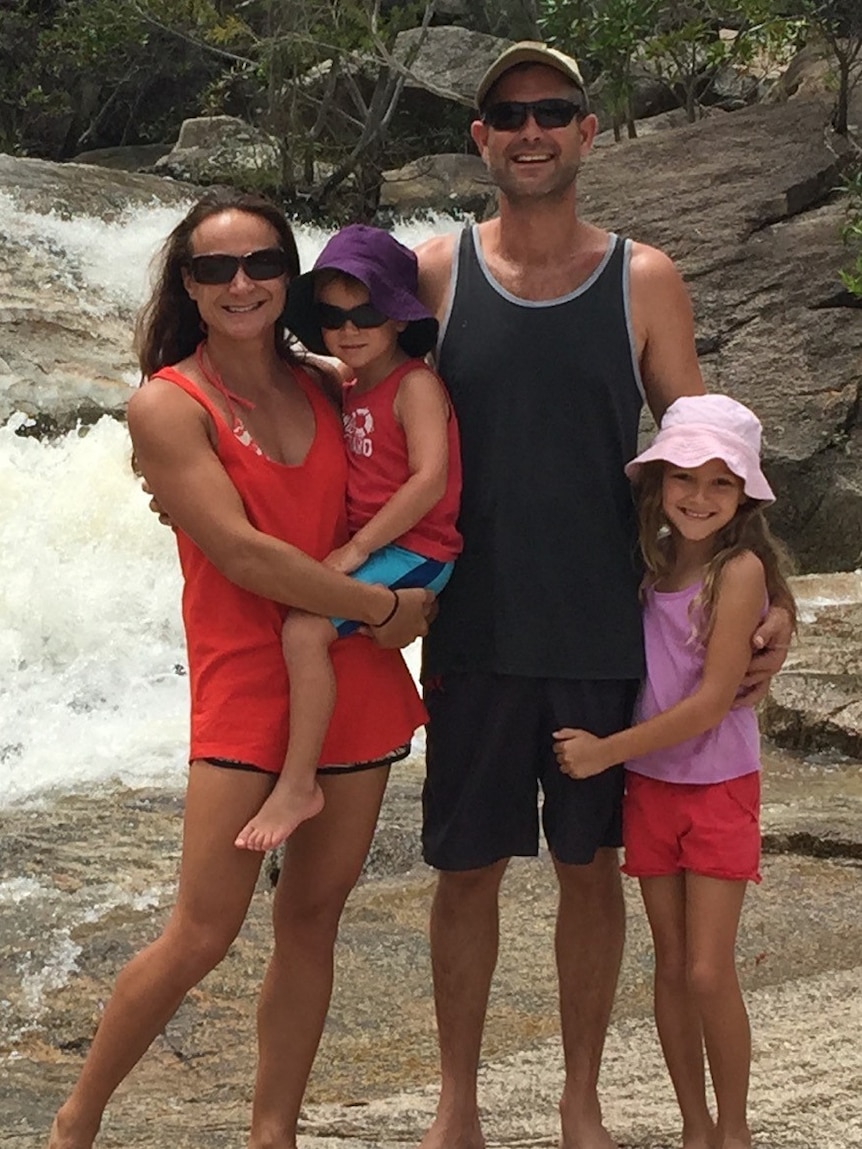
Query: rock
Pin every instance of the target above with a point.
(65, 349)
(451, 59)
(446, 183)
(223, 150)
(816, 702)
(134, 158)
(745, 203)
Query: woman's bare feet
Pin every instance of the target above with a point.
(65, 1134)
(279, 816)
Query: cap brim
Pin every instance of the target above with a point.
(691, 453)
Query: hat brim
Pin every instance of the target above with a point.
(690, 445)
(300, 316)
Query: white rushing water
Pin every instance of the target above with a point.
(91, 650)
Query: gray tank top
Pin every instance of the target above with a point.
(548, 396)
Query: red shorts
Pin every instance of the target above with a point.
(712, 829)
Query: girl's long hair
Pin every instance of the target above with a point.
(746, 531)
(168, 328)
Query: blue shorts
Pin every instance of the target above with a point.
(398, 568)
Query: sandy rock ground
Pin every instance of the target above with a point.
(86, 880)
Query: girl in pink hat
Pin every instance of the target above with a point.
(691, 810)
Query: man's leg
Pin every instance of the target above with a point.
(464, 939)
(589, 947)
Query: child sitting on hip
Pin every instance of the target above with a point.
(359, 305)
(692, 801)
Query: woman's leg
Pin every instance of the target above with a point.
(323, 860)
(297, 796)
(676, 1014)
(713, 907)
(215, 886)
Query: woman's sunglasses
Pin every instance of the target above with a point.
(511, 115)
(268, 263)
(331, 318)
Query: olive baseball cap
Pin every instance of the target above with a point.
(532, 52)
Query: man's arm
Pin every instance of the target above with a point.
(663, 324)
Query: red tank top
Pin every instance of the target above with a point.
(238, 680)
(378, 466)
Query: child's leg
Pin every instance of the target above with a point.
(297, 795)
(713, 907)
(676, 1014)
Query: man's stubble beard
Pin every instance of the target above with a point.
(517, 193)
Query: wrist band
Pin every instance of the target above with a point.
(391, 614)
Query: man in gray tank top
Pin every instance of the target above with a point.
(553, 332)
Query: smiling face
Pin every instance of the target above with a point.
(533, 162)
(244, 308)
(700, 501)
(370, 352)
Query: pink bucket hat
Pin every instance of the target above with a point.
(696, 428)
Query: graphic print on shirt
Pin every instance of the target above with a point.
(358, 429)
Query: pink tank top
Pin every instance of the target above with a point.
(674, 668)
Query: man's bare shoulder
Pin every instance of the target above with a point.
(650, 266)
(436, 256)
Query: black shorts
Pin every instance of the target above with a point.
(489, 749)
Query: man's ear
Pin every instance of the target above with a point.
(479, 136)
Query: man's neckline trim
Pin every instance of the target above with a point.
(517, 299)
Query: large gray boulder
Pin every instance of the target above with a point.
(223, 150)
(447, 183)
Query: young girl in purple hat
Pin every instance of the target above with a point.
(692, 801)
(359, 305)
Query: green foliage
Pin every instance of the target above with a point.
(851, 277)
(839, 24)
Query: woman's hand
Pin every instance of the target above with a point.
(415, 610)
(155, 507)
(579, 753)
(769, 644)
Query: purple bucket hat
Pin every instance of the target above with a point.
(697, 428)
(386, 267)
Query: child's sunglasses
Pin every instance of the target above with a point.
(511, 115)
(268, 263)
(331, 318)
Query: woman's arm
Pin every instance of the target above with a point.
(170, 434)
(422, 409)
(737, 612)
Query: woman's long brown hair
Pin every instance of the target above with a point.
(746, 531)
(168, 328)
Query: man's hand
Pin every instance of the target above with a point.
(769, 645)
(347, 558)
(154, 506)
(579, 753)
(416, 608)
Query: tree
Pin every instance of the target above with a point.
(839, 22)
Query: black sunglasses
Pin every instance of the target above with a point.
(268, 263)
(511, 115)
(332, 318)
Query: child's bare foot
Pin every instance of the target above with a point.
(279, 816)
(703, 1140)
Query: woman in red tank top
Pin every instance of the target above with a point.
(243, 450)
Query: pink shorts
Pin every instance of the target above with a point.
(711, 829)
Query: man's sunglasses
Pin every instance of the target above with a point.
(268, 263)
(331, 318)
(511, 115)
